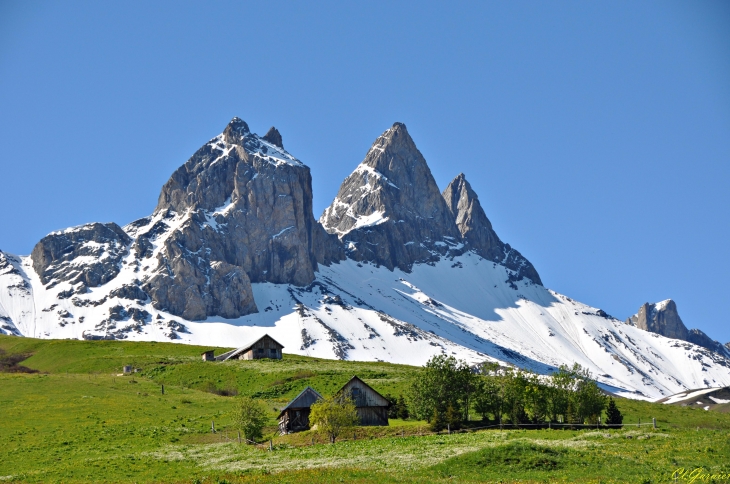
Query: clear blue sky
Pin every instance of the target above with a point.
(597, 134)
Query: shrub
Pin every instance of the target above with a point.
(250, 417)
(333, 415)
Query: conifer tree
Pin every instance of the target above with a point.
(613, 415)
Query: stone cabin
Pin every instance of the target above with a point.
(372, 407)
(263, 347)
(295, 416)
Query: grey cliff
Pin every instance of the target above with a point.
(389, 210)
(477, 231)
(663, 318)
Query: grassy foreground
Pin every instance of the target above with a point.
(77, 421)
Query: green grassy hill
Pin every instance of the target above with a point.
(77, 421)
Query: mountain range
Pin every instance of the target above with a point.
(394, 270)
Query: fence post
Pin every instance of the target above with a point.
(271, 445)
(212, 426)
(239, 436)
(653, 421)
(163, 388)
(448, 428)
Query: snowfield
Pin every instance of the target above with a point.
(463, 306)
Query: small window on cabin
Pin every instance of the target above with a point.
(272, 351)
(260, 351)
(355, 392)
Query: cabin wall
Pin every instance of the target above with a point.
(294, 420)
(264, 348)
(373, 416)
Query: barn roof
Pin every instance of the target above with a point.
(244, 348)
(305, 399)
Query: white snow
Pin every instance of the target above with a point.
(719, 400)
(680, 397)
(468, 311)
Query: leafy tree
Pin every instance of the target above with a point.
(402, 408)
(488, 393)
(535, 397)
(445, 382)
(589, 399)
(393, 409)
(613, 415)
(334, 415)
(250, 417)
(453, 419)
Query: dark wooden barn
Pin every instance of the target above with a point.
(264, 347)
(295, 416)
(372, 407)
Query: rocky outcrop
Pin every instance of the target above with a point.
(477, 231)
(390, 210)
(101, 247)
(274, 137)
(663, 318)
(660, 318)
(247, 206)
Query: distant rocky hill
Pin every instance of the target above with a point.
(663, 318)
(394, 270)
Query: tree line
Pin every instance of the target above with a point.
(448, 392)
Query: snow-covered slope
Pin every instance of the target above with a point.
(358, 311)
(233, 252)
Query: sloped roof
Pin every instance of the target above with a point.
(370, 398)
(305, 399)
(244, 348)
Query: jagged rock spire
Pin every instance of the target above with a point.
(476, 229)
(274, 137)
(390, 210)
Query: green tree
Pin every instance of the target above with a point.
(444, 382)
(250, 417)
(402, 408)
(613, 415)
(589, 400)
(488, 392)
(535, 397)
(334, 415)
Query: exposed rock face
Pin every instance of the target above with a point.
(274, 137)
(662, 318)
(55, 257)
(390, 210)
(477, 232)
(247, 205)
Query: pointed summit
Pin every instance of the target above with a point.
(476, 229)
(390, 210)
(274, 137)
(236, 130)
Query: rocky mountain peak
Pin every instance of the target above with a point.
(477, 232)
(236, 131)
(660, 318)
(390, 210)
(663, 318)
(274, 137)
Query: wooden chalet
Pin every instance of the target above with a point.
(264, 347)
(295, 416)
(372, 407)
